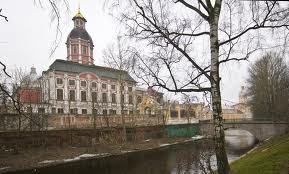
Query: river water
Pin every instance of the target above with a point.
(188, 158)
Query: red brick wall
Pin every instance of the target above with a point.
(30, 95)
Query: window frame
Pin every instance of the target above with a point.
(75, 48)
(130, 89)
(84, 113)
(83, 81)
(57, 94)
(60, 109)
(102, 97)
(57, 81)
(71, 80)
(70, 95)
(103, 86)
(92, 96)
(113, 98)
(130, 99)
(81, 96)
(92, 86)
(112, 87)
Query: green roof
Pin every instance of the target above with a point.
(100, 71)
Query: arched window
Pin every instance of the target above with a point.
(139, 99)
(148, 111)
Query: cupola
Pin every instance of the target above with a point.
(79, 43)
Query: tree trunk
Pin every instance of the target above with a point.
(219, 136)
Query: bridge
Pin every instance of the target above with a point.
(260, 129)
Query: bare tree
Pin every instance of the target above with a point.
(189, 112)
(268, 88)
(121, 57)
(55, 7)
(171, 33)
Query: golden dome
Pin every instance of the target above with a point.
(79, 15)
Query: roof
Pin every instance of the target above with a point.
(102, 72)
(79, 32)
(79, 15)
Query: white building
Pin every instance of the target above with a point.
(77, 86)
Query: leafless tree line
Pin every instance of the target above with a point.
(268, 89)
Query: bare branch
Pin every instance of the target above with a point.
(205, 17)
(4, 69)
(3, 16)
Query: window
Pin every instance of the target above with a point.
(29, 109)
(83, 95)
(60, 110)
(84, 111)
(72, 95)
(41, 110)
(174, 113)
(122, 98)
(59, 94)
(130, 89)
(104, 112)
(122, 88)
(124, 112)
(130, 99)
(71, 82)
(83, 83)
(103, 86)
(93, 84)
(159, 100)
(112, 112)
(139, 99)
(113, 87)
(94, 111)
(113, 98)
(84, 50)
(73, 111)
(94, 96)
(104, 97)
(53, 110)
(74, 49)
(59, 81)
(130, 112)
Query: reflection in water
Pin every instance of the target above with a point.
(179, 159)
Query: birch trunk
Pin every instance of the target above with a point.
(219, 136)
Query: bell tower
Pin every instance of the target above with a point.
(79, 43)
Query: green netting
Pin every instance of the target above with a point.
(182, 130)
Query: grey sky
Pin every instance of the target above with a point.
(27, 38)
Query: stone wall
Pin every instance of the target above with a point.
(77, 137)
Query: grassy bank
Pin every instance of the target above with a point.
(272, 157)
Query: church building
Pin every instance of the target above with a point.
(77, 86)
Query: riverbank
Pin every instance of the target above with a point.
(270, 157)
(41, 157)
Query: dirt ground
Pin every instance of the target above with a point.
(35, 157)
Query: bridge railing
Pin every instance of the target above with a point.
(259, 120)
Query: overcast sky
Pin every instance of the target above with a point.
(27, 38)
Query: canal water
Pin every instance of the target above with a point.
(188, 158)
